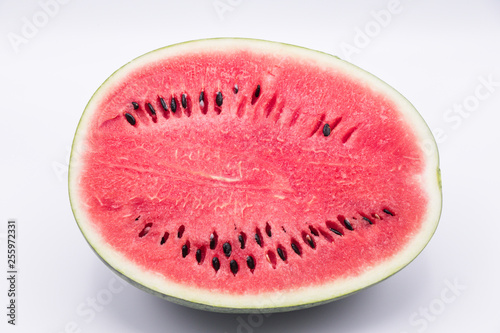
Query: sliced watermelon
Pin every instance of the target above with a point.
(245, 175)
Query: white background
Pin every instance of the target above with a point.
(439, 54)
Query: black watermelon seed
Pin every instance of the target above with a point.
(295, 249)
(135, 105)
(213, 241)
(250, 262)
(257, 91)
(388, 212)
(310, 241)
(234, 266)
(130, 118)
(281, 253)
(215, 263)
(257, 239)
(180, 231)
(367, 220)
(185, 250)
(202, 101)
(163, 104)
(164, 238)
(152, 109)
(268, 230)
(235, 89)
(242, 241)
(226, 247)
(313, 231)
(335, 231)
(348, 224)
(326, 130)
(198, 256)
(184, 101)
(173, 105)
(219, 99)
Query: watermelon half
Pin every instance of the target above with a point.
(244, 175)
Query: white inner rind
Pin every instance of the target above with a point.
(281, 299)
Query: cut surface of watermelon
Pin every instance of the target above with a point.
(246, 175)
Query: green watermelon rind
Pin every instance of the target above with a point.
(271, 306)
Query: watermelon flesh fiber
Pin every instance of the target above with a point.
(259, 172)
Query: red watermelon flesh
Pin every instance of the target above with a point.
(241, 169)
